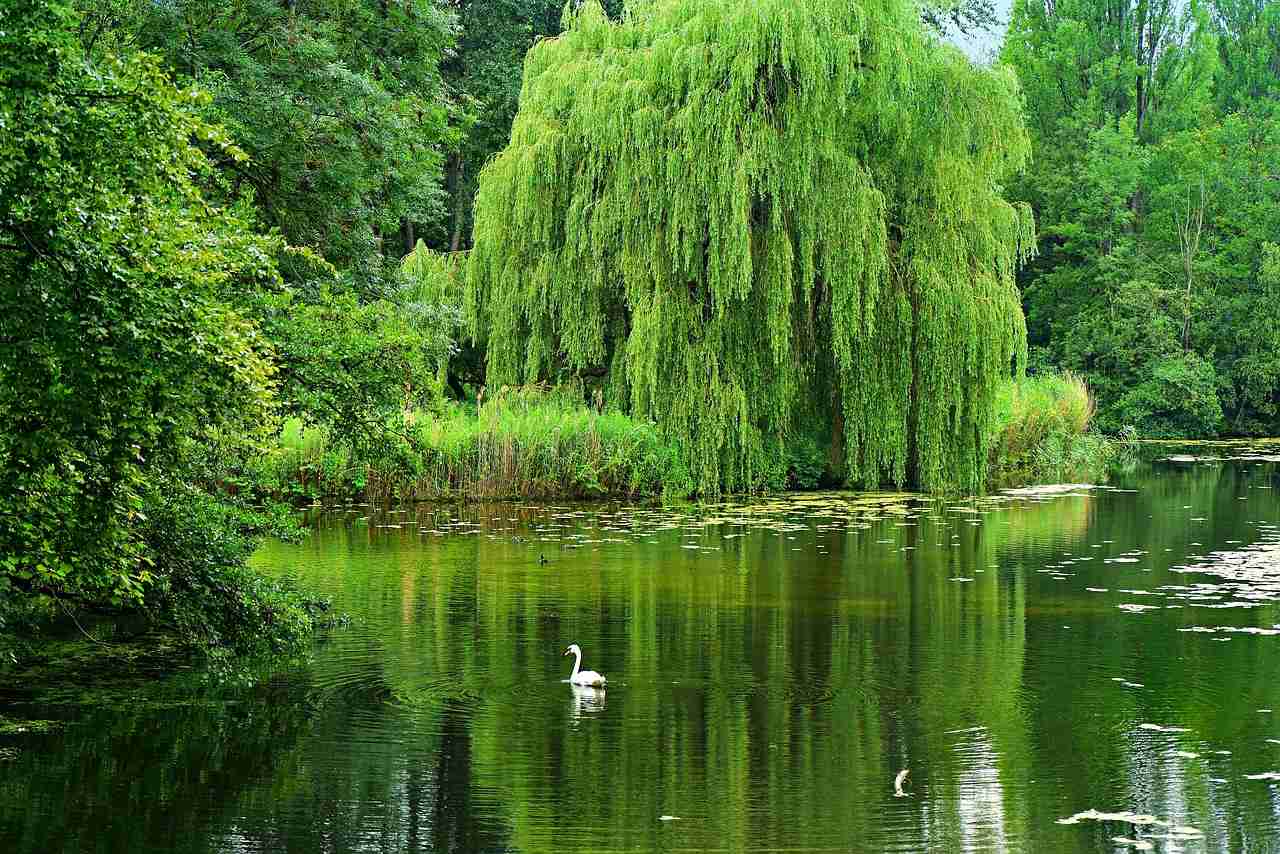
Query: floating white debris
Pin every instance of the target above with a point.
(1159, 728)
(668, 818)
(1186, 830)
(1137, 844)
(1047, 489)
(1137, 819)
(1242, 630)
(1265, 775)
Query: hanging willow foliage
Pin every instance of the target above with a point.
(761, 217)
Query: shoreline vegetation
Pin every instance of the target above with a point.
(548, 443)
(1046, 434)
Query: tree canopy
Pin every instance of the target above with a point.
(1156, 141)
(757, 218)
(122, 336)
(339, 104)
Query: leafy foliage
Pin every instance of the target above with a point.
(119, 338)
(484, 73)
(125, 347)
(1157, 142)
(438, 280)
(339, 105)
(733, 208)
(206, 593)
(354, 365)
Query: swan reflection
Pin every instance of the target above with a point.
(586, 701)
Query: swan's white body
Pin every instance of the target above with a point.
(580, 676)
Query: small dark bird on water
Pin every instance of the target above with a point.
(543, 559)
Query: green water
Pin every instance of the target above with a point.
(772, 666)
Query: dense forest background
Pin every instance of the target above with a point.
(1155, 179)
(1155, 176)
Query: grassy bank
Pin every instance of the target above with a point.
(523, 443)
(539, 443)
(1046, 434)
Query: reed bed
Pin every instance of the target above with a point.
(523, 443)
(533, 442)
(1045, 433)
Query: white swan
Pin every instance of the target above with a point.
(579, 676)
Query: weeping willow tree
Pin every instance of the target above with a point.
(755, 218)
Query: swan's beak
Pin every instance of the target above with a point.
(566, 652)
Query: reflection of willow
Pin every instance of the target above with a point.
(150, 776)
(807, 681)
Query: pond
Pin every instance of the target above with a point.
(1092, 669)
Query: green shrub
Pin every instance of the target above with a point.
(130, 350)
(1045, 433)
(1178, 400)
(806, 463)
(201, 587)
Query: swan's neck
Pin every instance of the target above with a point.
(577, 662)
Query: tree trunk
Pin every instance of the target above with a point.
(406, 235)
(836, 467)
(455, 183)
(1140, 101)
(1190, 231)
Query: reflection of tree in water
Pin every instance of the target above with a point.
(147, 776)
(405, 785)
(805, 685)
(267, 770)
(456, 822)
(1086, 721)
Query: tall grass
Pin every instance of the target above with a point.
(522, 443)
(533, 442)
(1045, 433)
(305, 462)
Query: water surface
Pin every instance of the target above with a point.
(773, 665)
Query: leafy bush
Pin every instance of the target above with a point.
(1178, 400)
(131, 363)
(806, 463)
(202, 588)
(122, 336)
(352, 364)
(1045, 433)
